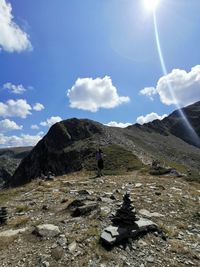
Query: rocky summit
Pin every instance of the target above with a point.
(70, 146)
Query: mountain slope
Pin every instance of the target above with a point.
(186, 128)
(70, 146)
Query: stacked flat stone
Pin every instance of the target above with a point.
(126, 215)
(3, 215)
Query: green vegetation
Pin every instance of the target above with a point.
(194, 176)
(117, 160)
(179, 167)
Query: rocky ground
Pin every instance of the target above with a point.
(43, 230)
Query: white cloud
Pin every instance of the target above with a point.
(118, 124)
(12, 37)
(93, 94)
(34, 127)
(50, 121)
(8, 125)
(15, 89)
(150, 117)
(22, 140)
(149, 92)
(38, 107)
(178, 87)
(15, 108)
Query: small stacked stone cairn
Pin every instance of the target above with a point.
(126, 214)
(126, 225)
(3, 215)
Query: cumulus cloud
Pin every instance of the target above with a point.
(50, 121)
(150, 117)
(149, 92)
(38, 107)
(12, 37)
(22, 140)
(34, 127)
(118, 124)
(15, 89)
(93, 94)
(15, 108)
(8, 125)
(178, 87)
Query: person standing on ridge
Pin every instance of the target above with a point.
(100, 163)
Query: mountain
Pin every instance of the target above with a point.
(184, 124)
(70, 146)
(10, 159)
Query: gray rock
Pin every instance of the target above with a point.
(72, 246)
(62, 241)
(47, 230)
(85, 209)
(114, 234)
(148, 214)
(83, 192)
(11, 233)
(150, 259)
(57, 253)
(137, 185)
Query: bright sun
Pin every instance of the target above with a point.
(151, 5)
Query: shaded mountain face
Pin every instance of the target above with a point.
(184, 124)
(61, 151)
(10, 159)
(70, 146)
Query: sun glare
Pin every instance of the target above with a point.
(151, 5)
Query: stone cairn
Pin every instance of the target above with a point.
(3, 215)
(126, 214)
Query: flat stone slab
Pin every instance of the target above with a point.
(148, 214)
(137, 185)
(116, 234)
(46, 230)
(11, 233)
(85, 209)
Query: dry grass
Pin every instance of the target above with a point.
(22, 208)
(19, 221)
(179, 247)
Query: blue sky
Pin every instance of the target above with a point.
(95, 59)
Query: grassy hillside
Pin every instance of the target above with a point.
(116, 160)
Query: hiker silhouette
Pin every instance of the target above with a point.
(100, 162)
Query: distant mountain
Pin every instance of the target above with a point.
(10, 159)
(70, 146)
(184, 124)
